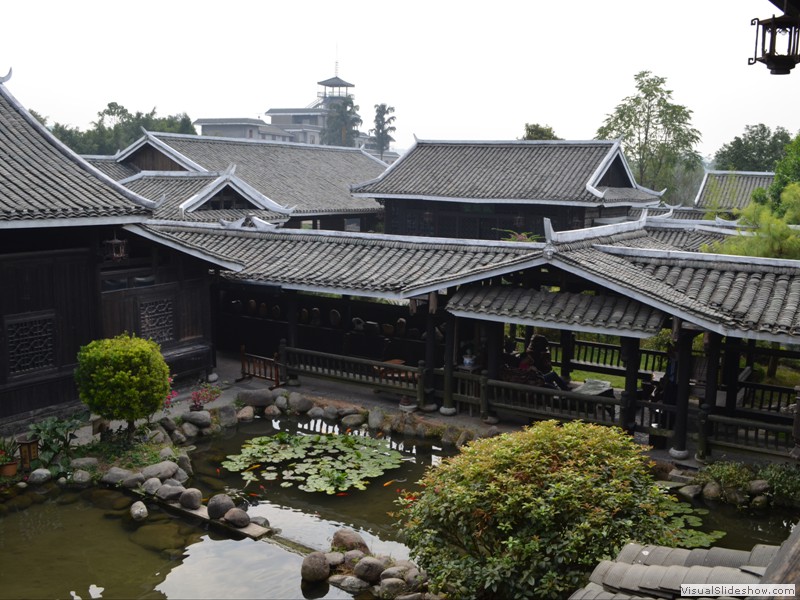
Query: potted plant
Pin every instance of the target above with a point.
(204, 394)
(8, 459)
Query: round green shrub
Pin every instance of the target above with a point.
(123, 378)
(530, 514)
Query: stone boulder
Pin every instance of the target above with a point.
(237, 518)
(151, 486)
(113, 476)
(191, 498)
(315, 567)
(163, 470)
(169, 493)
(260, 398)
(347, 539)
(139, 511)
(200, 418)
(369, 569)
(190, 430)
(349, 583)
(227, 416)
(246, 414)
(218, 505)
(353, 421)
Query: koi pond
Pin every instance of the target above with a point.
(84, 544)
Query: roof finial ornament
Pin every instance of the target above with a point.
(6, 77)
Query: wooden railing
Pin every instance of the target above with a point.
(759, 426)
(607, 358)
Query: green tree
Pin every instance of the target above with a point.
(787, 171)
(381, 135)
(757, 149)
(534, 131)
(116, 128)
(656, 133)
(529, 514)
(124, 378)
(342, 123)
(764, 233)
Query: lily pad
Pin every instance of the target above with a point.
(327, 463)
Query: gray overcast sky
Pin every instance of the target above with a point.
(452, 69)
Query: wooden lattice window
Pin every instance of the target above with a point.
(157, 320)
(30, 342)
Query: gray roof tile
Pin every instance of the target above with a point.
(42, 180)
(730, 189)
(314, 179)
(356, 263)
(552, 172)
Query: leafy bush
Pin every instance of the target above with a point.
(728, 474)
(122, 378)
(55, 441)
(529, 514)
(784, 482)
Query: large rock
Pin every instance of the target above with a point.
(349, 583)
(712, 491)
(315, 567)
(246, 414)
(40, 476)
(369, 569)
(190, 430)
(88, 462)
(200, 418)
(218, 505)
(391, 587)
(331, 413)
(185, 463)
(237, 518)
(81, 479)
(163, 470)
(261, 398)
(169, 493)
(757, 487)
(168, 424)
(299, 404)
(191, 498)
(227, 416)
(353, 421)
(158, 536)
(347, 539)
(138, 511)
(114, 476)
(151, 486)
(133, 482)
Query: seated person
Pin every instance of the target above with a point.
(537, 356)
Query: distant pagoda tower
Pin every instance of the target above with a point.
(333, 90)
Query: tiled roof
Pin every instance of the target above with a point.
(109, 165)
(576, 312)
(369, 265)
(730, 189)
(177, 188)
(658, 571)
(43, 183)
(736, 295)
(312, 179)
(526, 172)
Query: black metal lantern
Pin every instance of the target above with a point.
(779, 38)
(115, 249)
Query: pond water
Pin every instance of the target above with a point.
(70, 545)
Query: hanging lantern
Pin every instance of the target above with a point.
(779, 39)
(115, 249)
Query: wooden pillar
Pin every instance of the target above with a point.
(731, 373)
(567, 353)
(448, 406)
(494, 348)
(680, 433)
(291, 317)
(430, 334)
(630, 356)
(712, 370)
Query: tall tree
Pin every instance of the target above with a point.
(117, 128)
(757, 149)
(381, 135)
(656, 133)
(342, 123)
(787, 171)
(534, 131)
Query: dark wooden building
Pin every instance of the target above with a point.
(484, 190)
(71, 273)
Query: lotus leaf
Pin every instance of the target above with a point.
(327, 463)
